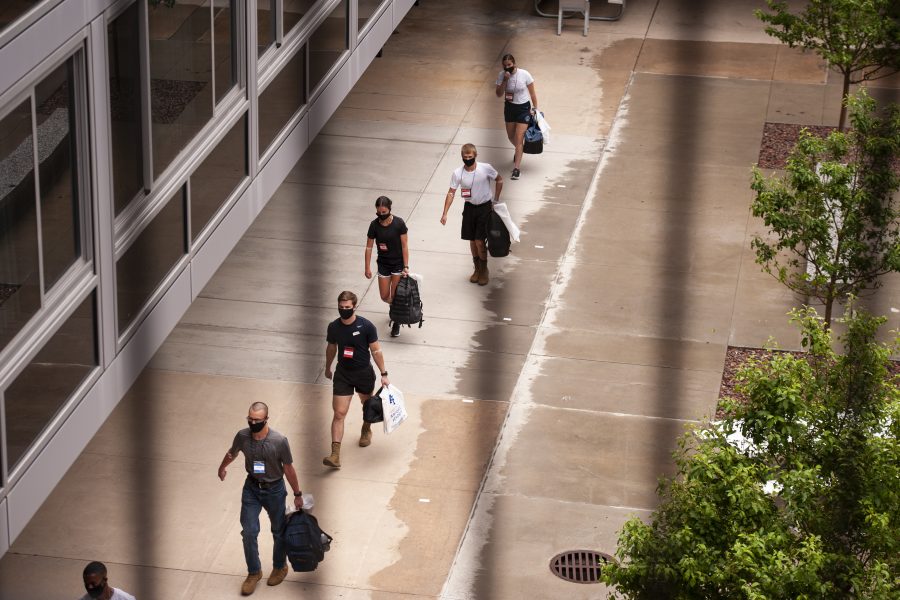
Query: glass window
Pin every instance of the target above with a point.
(226, 47)
(41, 390)
(58, 171)
(146, 263)
(20, 293)
(295, 10)
(327, 44)
(218, 176)
(265, 25)
(125, 85)
(365, 10)
(181, 94)
(281, 99)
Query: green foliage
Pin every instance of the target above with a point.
(834, 209)
(825, 428)
(859, 38)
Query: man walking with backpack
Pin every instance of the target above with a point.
(354, 341)
(267, 459)
(474, 182)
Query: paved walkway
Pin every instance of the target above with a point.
(543, 407)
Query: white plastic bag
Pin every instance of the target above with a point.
(308, 503)
(544, 126)
(418, 277)
(394, 408)
(503, 212)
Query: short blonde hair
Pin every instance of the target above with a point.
(469, 148)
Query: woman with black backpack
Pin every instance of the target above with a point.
(389, 232)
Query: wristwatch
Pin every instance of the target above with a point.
(298, 494)
(384, 374)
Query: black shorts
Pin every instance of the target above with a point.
(346, 381)
(517, 113)
(476, 218)
(388, 268)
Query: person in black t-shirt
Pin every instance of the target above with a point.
(389, 233)
(353, 340)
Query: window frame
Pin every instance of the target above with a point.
(26, 19)
(141, 209)
(313, 93)
(298, 45)
(123, 244)
(54, 321)
(85, 268)
(370, 23)
(236, 115)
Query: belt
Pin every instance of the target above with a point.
(263, 485)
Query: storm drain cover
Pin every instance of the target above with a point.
(579, 566)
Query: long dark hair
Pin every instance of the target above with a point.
(383, 201)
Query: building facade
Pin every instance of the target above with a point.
(139, 139)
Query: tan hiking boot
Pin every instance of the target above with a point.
(477, 271)
(365, 436)
(277, 576)
(334, 459)
(249, 584)
(484, 274)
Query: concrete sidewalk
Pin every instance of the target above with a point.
(543, 407)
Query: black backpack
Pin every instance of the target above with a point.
(534, 139)
(498, 237)
(406, 307)
(304, 541)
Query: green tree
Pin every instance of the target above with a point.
(833, 218)
(860, 39)
(796, 495)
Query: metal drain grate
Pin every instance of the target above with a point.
(579, 566)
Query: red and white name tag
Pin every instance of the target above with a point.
(466, 192)
(509, 96)
(348, 352)
(382, 246)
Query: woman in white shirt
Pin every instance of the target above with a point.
(516, 87)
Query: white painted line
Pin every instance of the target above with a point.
(469, 401)
(560, 185)
(424, 500)
(507, 319)
(541, 247)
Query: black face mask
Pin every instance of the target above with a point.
(257, 427)
(509, 69)
(96, 592)
(383, 217)
(345, 313)
(468, 161)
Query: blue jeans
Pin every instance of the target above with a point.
(253, 500)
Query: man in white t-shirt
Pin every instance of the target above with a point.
(97, 586)
(479, 185)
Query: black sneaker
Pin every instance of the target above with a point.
(515, 174)
(395, 329)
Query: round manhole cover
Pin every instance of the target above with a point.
(579, 566)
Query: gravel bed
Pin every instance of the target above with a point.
(780, 138)
(170, 97)
(735, 358)
(7, 290)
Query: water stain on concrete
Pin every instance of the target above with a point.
(451, 455)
